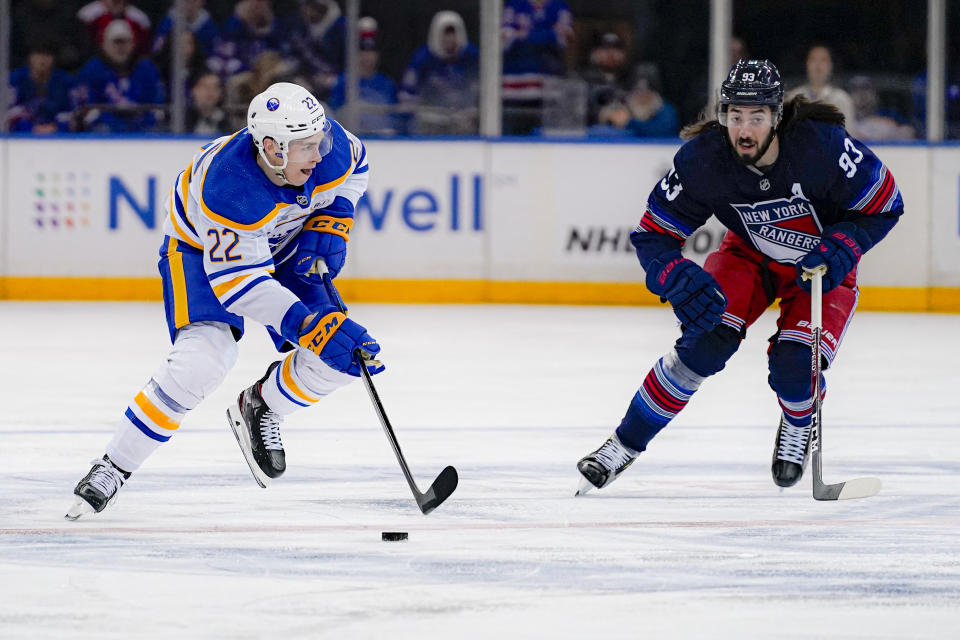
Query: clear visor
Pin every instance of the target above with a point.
(307, 149)
(737, 118)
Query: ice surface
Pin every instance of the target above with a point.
(694, 541)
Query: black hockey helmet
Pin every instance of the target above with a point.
(752, 82)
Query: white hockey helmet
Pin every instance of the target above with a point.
(285, 112)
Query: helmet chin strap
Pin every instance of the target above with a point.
(278, 170)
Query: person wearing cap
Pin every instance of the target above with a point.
(96, 16)
(41, 101)
(797, 193)
(114, 85)
(255, 224)
(376, 90)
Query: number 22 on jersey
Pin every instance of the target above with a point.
(220, 240)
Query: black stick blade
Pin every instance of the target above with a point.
(440, 490)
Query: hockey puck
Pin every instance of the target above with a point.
(393, 536)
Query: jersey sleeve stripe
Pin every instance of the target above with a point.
(883, 195)
(244, 290)
(291, 383)
(266, 264)
(224, 287)
(363, 169)
(667, 221)
(655, 224)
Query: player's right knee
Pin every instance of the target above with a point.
(707, 353)
(202, 355)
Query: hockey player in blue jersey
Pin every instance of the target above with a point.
(795, 191)
(246, 222)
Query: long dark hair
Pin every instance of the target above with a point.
(795, 110)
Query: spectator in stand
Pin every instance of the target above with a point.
(268, 67)
(205, 115)
(99, 14)
(317, 40)
(51, 21)
(606, 73)
(442, 80)
(195, 63)
(871, 122)
(251, 30)
(643, 113)
(41, 93)
(818, 87)
(535, 34)
(197, 21)
(694, 100)
(375, 89)
(112, 85)
(918, 93)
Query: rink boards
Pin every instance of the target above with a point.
(442, 221)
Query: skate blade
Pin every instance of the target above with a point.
(243, 440)
(584, 487)
(80, 508)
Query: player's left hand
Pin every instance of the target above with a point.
(324, 237)
(841, 247)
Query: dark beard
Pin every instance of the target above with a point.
(761, 150)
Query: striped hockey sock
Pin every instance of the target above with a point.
(798, 412)
(659, 399)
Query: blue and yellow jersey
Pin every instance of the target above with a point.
(223, 205)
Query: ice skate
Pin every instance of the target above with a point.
(257, 430)
(790, 453)
(602, 467)
(97, 489)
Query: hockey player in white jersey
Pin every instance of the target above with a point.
(246, 222)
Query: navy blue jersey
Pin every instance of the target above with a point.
(822, 176)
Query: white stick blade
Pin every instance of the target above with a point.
(859, 488)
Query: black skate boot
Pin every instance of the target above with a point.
(257, 430)
(602, 467)
(98, 488)
(790, 453)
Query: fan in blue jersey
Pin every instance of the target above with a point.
(795, 191)
(247, 221)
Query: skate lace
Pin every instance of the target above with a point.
(793, 442)
(106, 478)
(270, 431)
(613, 455)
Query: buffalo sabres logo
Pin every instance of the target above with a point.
(273, 104)
(783, 229)
(764, 185)
(302, 200)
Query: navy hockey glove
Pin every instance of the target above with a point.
(695, 296)
(841, 247)
(323, 236)
(333, 336)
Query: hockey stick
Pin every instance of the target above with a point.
(858, 487)
(446, 482)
